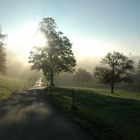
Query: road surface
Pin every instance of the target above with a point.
(31, 116)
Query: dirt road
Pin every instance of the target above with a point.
(30, 116)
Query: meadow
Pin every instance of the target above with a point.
(10, 85)
(106, 116)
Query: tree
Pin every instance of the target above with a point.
(82, 76)
(116, 68)
(2, 53)
(138, 67)
(56, 56)
(136, 76)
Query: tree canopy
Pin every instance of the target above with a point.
(115, 68)
(56, 56)
(2, 53)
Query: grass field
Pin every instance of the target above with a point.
(9, 85)
(106, 116)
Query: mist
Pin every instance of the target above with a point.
(18, 68)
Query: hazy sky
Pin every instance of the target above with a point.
(93, 26)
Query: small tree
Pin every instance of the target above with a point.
(138, 67)
(82, 76)
(2, 53)
(136, 76)
(116, 68)
(56, 56)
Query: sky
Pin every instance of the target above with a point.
(94, 27)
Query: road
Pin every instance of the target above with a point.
(31, 116)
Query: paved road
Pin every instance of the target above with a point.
(31, 116)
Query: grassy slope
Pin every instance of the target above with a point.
(106, 116)
(9, 85)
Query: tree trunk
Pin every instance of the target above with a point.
(112, 87)
(112, 83)
(51, 78)
(51, 72)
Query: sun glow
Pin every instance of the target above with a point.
(23, 39)
(38, 39)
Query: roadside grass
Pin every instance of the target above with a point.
(9, 86)
(106, 116)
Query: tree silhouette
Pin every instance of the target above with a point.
(56, 56)
(136, 76)
(2, 53)
(138, 67)
(115, 68)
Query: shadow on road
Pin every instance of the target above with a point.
(30, 116)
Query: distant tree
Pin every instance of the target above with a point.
(138, 67)
(56, 56)
(65, 79)
(2, 53)
(82, 77)
(136, 76)
(115, 68)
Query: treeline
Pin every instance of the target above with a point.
(82, 77)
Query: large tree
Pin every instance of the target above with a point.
(2, 53)
(115, 68)
(56, 56)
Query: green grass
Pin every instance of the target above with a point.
(106, 116)
(9, 85)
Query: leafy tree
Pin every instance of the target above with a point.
(56, 56)
(115, 68)
(82, 76)
(2, 53)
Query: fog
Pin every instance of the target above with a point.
(18, 68)
(88, 49)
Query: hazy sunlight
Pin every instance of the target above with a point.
(23, 39)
